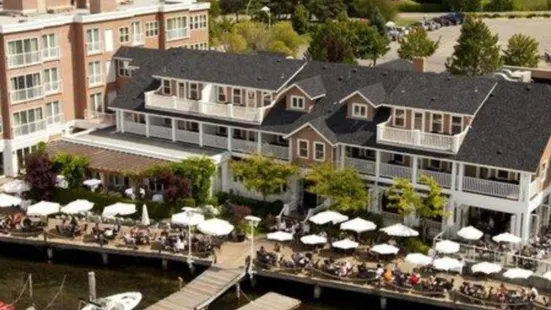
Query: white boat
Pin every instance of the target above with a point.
(124, 301)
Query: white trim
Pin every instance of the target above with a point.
(484, 101)
(298, 98)
(314, 144)
(394, 118)
(291, 77)
(302, 91)
(158, 77)
(441, 122)
(307, 148)
(302, 127)
(357, 92)
(360, 105)
(422, 120)
(451, 124)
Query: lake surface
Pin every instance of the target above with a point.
(145, 276)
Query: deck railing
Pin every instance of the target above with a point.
(276, 151)
(395, 171)
(490, 187)
(361, 165)
(187, 136)
(443, 178)
(215, 141)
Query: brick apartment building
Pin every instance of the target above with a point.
(56, 66)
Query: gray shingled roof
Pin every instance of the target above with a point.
(312, 86)
(375, 93)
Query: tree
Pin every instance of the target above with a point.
(369, 43)
(199, 170)
(521, 51)
(366, 8)
(325, 10)
(476, 51)
(234, 43)
(283, 33)
(232, 7)
(417, 44)
(500, 6)
(72, 167)
(300, 19)
(175, 187)
(41, 175)
(464, 5)
(378, 20)
(262, 174)
(403, 197)
(214, 10)
(332, 42)
(344, 188)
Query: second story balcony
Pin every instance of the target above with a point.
(26, 94)
(418, 139)
(24, 59)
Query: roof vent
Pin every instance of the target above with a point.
(476, 89)
(355, 70)
(259, 78)
(278, 60)
(449, 78)
(340, 78)
(403, 91)
(164, 69)
(385, 73)
(491, 94)
(433, 99)
(499, 152)
(282, 75)
(324, 67)
(528, 87)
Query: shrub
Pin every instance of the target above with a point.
(496, 15)
(259, 208)
(414, 245)
(511, 16)
(239, 213)
(546, 15)
(222, 197)
(188, 202)
(531, 15)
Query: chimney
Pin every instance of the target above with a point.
(102, 6)
(419, 64)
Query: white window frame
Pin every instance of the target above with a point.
(180, 31)
(193, 91)
(124, 35)
(395, 118)
(50, 46)
(316, 144)
(363, 109)
(151, 29)
(123, 69)
(452, 124)
(221, 90)
(97, 104)
(240, 96)
(28, 126)
(26, 57)
(264, 101)
(29, 93)
(95, 73)
(307, 143)
(295, 100)
(435, 167)
(432, 115)
(479, 172)
(50, 112)
(93, 43)
(422, 120)
(136, 33)
(51, 85)
(402, 161)
(507, 178)
(362, 152)
(166, 84)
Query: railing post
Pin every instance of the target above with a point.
(121, 120)
(147, 125)
(259, 145)
(453, 176)
(230, 106)
(377, 164)
(290, 158)
(173, 127)
(417, 135)
(230, 135)
(414, 166)
(461, 174)
(201, 132)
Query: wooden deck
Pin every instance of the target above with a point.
(272, 301)
(203, 290)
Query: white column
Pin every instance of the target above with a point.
(453, 176)
(524, 187)
(201, 132)
(173, 124)
(230, 135)
(11, 165)
(526, 221)
(460, 176)
(414, 166)
(147, 125)
(225, 176)
(117, 120)
(290, 159)
(259, 146)
(121, 121)
(343, 156)
(377, 164)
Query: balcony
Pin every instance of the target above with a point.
(187, 136)
(444, 179)
(244, 146)
(361, 165)
(52, 87)
(99, 118)
(93, 47)
(175, 34)
(395, 171)
(276, 151)
(177, 104)
(95, 80)
(220, 142)
(50, 53)
(24, 59)
(160, 132)
(27, 94)
(418, 139)
(134, 127)
(29, 128)
(490, 187)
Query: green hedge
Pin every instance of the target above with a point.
(420, 7)
(258, 207)
(415, 245)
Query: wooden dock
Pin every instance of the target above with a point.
(202, 291)
(272, 301)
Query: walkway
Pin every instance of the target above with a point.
(203, 290)
(272, 301)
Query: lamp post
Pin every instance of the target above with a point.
(189, 213)
(266, 10)
(253, 222)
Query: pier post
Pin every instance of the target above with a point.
(191, 266)
(165, 264)
(50, 254)
(180, 283)
(252, 279)
(92, 285)
(383, 303)
(105, 258)
(238, 291)
(317, 291)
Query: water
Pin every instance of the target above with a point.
(145, 276)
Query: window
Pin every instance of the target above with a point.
(203, 21)
(359, 110)
(193, 91)
(236, 98)
(181, 90)
(192, 126)
(267, 99)
(53, 113)
(222, 131)
(96, 103)
(437, 123)
(251, 98)
(23, 52)
(435, 164)
(28, 121)
(92, 41)
(122, 68)
(124, 35)
(319, 151)
(239, 134)
(50, 47)
(418, 121)
(136, 33)
(51, 80)
(118, 180)
(483, 173)
(502, 174)
(457, 125)
(26, 87)
(303, 148)
(176, 28)
(221, 94)
(366, 153)
(398, 158)
(94, 73)
(399, 118)
(166, 87)
(152, 29)
(297, 103)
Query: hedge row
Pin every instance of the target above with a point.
(513, 15)
(258, 207)
(420, 7)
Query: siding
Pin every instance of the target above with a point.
(309, 134)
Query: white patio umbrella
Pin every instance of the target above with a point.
(446, 263)
(9, 200)
(215, 227)
(385, 249)
(507, 238)
(119, 208)
(60, 182)
(547, 275)
(130, 192)
(518, 273)
(145, 216)
(313, 239)
(470, 233)
(345, 244)
(390, 24)
(328, 217)
(185, 218)
(447, 247)
(77, 206)
(358, 225)
(418, 259)
(16, 187)
(485, 267)
(43, 208)
(280, 236)
(400, 230)
(92, 183)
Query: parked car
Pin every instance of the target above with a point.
(443, 21)
(455, 18)
(396, 32)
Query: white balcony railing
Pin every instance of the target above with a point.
(444, 179)
(93, 47)
(55, 119)
(95, 80)
(133, 127)
(215, 141)
(27, 94)
(160, 132)
(153, 100)
(100, 118)
(50, 53)
(276, 151)
(244, 146)
(490, 187)
(419, 139)
(395, 171)
(361, 165)
(187, 136)
(24, 59)
(25, 129)
(179, 33)
(52, 87)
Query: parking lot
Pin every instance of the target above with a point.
(539, 28)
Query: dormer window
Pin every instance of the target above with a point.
(457, 125)
(267, 99)
(502, 175)
(319, 151)
(166, 87)
(221, 94)
(399, 118)
(303, 148)
(297, 102)
(436, 125)
(359, 110)
(193, 91)
(236, 96)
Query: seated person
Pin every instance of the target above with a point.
(387, 275)
(129, 240)
(379, 272)
(414, 278)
